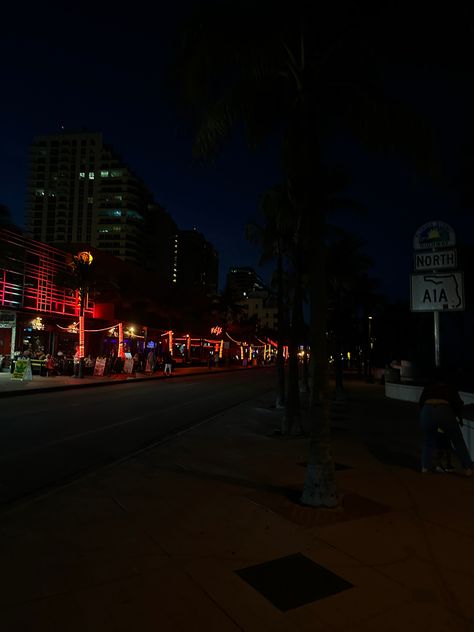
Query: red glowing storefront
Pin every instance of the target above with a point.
(32, 304)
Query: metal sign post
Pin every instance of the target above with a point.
(436, 337)
(432, 290)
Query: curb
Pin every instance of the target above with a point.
(112, 382)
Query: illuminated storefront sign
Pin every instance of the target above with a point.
(37, 323)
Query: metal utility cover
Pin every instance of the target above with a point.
(293, 581)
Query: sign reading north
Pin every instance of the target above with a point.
(439, 260)
(434, 234)
(437, 292)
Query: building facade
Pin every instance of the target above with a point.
(195, 263)
(81, 191)
(33, 307)
(261, 307)
(242, 281)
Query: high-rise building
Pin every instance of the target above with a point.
(243, 281)
(195, 262)
(80, 190)
(159, 253)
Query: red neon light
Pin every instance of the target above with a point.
(27, 278)
(121, 350)
(81, 336)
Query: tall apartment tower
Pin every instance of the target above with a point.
(195, 263)
(80, 190)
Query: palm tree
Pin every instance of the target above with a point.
(300, 74)
(350, 291)
(273, 238)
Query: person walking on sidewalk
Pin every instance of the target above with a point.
(441, 407)
(50, 365)
(168, 363)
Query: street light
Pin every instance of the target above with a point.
(82, 262)
(369, 350)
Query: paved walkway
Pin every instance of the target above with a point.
(203, 533)
(9, 387)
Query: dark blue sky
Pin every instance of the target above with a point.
(106, 70)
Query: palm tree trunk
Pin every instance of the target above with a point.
(339, 365)
(320, 482)
(291, 422)
(280, 362)
(305, 372)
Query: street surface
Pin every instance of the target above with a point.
(49, 439)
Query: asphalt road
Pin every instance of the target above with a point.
(48, 439)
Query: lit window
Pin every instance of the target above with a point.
(39, 192)
(91, 175)
(115, 173)
(174, 280)
(82, 174)
(104, 174)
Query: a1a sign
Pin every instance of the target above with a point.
(437, 292)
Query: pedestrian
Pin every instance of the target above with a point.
(168, 363)
(150, 362)
(441, 407)
(50, 365)
(77, 361)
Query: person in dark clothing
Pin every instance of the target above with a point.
(168, 363)
(441, 407)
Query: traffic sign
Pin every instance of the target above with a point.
(434, 234)
(437, 260)
(437, 292)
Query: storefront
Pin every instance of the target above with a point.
(7, 337)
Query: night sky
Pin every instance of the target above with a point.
(105, 69)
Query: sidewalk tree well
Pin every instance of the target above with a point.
(301, 74)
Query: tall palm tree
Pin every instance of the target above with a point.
(273, 238)
(350, 291)
(301, 73)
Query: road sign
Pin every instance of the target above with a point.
(438, 260)
(434, 234)
(437, 292)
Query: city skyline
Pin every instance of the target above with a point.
(54, 79)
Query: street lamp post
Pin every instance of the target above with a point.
(82, 263)
(369, 351)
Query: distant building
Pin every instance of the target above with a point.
(241, 282)
(261, 306)
(81, 191)
(195, 263)
(159, 253)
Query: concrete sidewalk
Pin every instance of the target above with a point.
(39, 383)
(203, 533)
